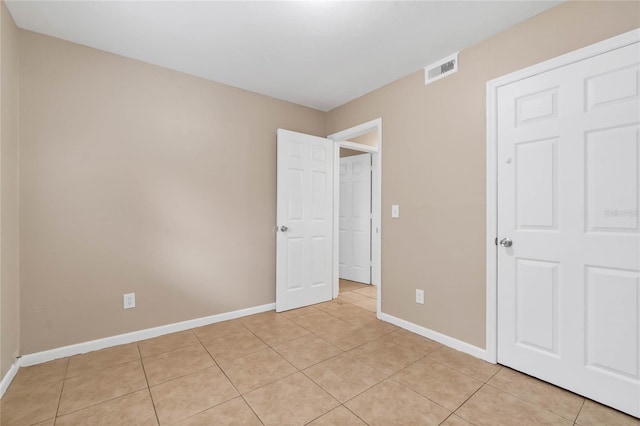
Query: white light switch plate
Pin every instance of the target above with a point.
(395, 211)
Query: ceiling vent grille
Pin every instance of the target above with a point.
(441, 69)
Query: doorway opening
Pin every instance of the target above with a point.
(365, 143)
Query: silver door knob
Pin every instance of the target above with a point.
(505, 242)
(284, 229)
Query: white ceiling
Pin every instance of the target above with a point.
(320, 54)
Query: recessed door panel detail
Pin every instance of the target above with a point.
(617, 85)
(295, 150)
(342, 209)
(612, 310)
(360, 257)
(537, 304)
(612, 158)
(536, 106)
(361, 193)
(295, 209)
(343, 256)
(319, 153)
(536, 184)
(318, 252)
(295, 254)
(318, 195)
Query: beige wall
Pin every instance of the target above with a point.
(9, 284)
(369, 138)
(135, 178)
(434, 164)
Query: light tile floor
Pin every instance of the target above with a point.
(328, 364)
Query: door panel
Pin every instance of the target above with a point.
(612, 179)
(612, 304)
(568, 193)
(537, 305)
(536, 177)
(305, 210)
(355, 218)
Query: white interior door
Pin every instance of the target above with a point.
(568, 182)
(304, 219)
(355, 218)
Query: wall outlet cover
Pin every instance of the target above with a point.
(129, 300)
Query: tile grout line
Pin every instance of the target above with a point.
(391, 377)
(158, 337)
(251, 408)
(459, 371)
(224, 374)
(470, 396)
(350, 399)
(542, 408)
(584, 401)
(240, 394)
(102, 402)
(270, 382)
(89, 375)
(484, 383)
(64, 379)
(464, 402)
(144, 371)
(200, 342)
(363, 421)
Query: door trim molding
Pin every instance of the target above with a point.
(341, 139)
(596, 49)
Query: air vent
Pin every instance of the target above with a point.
(440, 69)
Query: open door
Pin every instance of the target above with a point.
(304, 220)
(355, 218)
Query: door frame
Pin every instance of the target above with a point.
(596, 49)
(341, 140)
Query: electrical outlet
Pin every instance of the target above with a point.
(420, 296)
(129, 300)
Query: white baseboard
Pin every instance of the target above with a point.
(438, 337)
(8, 378)
(121, 339)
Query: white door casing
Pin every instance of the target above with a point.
(355, 218)
(568, 170)
(304, 248)
(341, 139)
